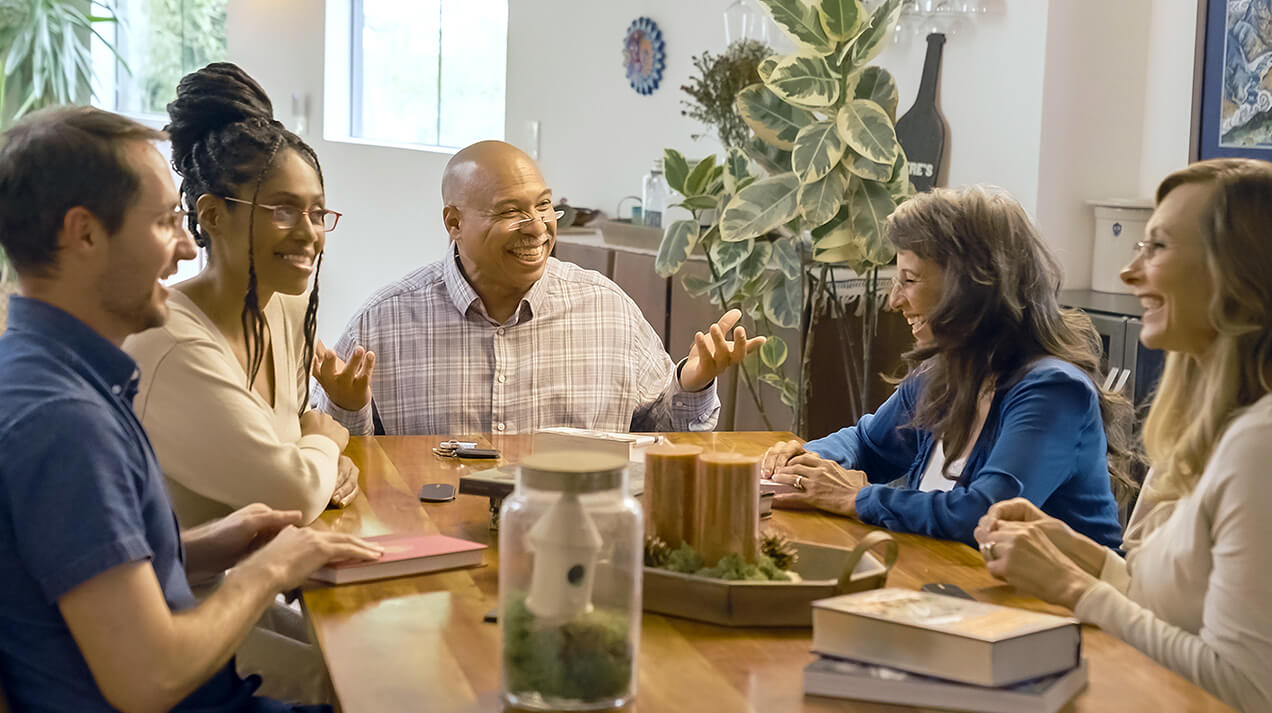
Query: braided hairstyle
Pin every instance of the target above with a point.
(224, 134)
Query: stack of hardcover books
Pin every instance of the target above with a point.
(925, 649)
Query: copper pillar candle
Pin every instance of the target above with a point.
(671, 473)
(728, 512)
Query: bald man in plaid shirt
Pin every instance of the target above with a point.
(498, 337)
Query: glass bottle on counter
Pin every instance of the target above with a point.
(654, 195)
(570, 554)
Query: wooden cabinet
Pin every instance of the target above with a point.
(592, 257)
(634, 272)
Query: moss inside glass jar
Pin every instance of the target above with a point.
(587, 658)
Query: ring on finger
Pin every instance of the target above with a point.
(799, 482)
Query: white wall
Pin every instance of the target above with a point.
(598, 137)
(1092, 117)
(1168, 91)
(990, 92)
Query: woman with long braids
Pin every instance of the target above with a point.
(224, 392)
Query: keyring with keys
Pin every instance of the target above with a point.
(448, 449)
(463, 449)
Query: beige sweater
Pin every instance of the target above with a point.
(1195, 592)
(219, 443)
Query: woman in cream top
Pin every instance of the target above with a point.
(221, 445)
(224, 387)
(1194, 587)
(224, 393)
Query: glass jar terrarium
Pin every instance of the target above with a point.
(570, 556)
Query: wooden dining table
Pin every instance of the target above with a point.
(420, 643)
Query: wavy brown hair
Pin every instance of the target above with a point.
(1199, 398)
(999, 313)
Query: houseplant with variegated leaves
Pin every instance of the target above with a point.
(811, 191)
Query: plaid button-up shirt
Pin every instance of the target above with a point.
(577, 352)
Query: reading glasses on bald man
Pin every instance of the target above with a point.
(516, 224)
(285, 217)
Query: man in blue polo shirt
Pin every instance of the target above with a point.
(96, 612)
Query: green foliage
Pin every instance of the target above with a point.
(45, 58)
(685, 559)
(588, 658)
(818, 150)
(774, 351)
(760, 207)
(183, 36)
(804, 80)
(802, 23)
(733, 567)
(774, 121)
(818, 178)
(677, 243)
(875, 84)
(715, 88)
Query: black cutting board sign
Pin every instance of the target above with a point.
(921, 130)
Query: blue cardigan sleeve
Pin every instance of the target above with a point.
(882, 444)
(1042, 420)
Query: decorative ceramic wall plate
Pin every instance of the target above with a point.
(644, 55)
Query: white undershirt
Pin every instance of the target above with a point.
(933, 478)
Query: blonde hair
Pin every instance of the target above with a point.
(1198, 398)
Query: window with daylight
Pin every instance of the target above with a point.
(158, 41)
(428, 72)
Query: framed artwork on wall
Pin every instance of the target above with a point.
(1232, 113)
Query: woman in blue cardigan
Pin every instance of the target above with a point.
(1003, 400)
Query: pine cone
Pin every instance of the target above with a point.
(656, 551)
(780, 550)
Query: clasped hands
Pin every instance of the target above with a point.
(819, 483)
(1036, 553)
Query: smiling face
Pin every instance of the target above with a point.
(1170, 276)
(284, 257)
(500, 259)
(916, 292)
(146, 248)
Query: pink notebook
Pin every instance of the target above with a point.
(405, 555)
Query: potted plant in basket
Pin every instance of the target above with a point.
(807, 194)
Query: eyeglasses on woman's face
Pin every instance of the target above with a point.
(1149, 248)
(285, 217)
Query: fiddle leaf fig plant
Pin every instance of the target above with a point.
(810, 192)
